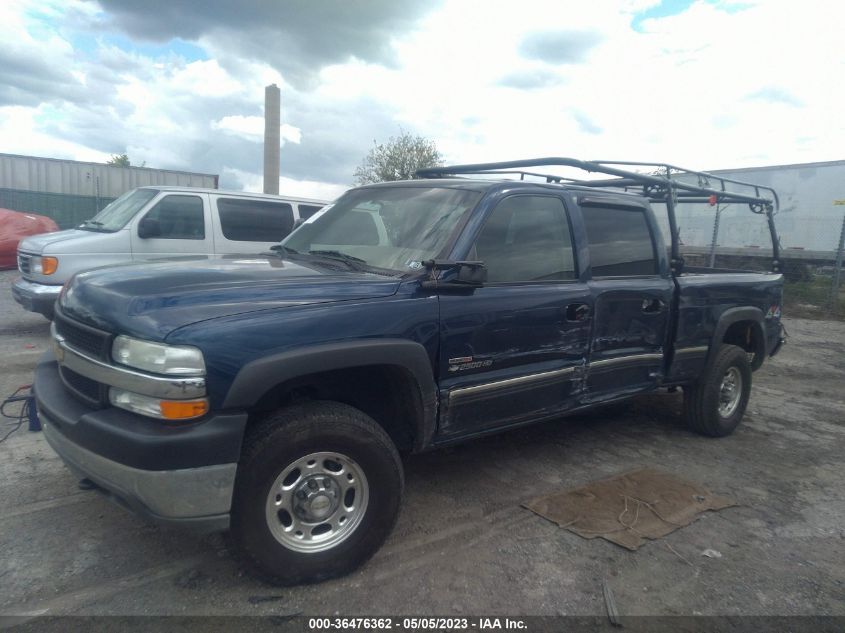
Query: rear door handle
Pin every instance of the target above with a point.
(653, 306)
(577, 312)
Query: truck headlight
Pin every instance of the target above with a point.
(158, 358)
(43, 265)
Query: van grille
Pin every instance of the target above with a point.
(83, 338)
(23, 263)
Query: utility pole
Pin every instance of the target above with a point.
(272, 125)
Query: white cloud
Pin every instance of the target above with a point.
(20, 135)
(251, 128)
(287, 186)
(664, 94)
(206, 78)
(721, 84)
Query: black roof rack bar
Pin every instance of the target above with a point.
(626, 178)
(703, 176)
(655, 186)
(521, 173)
(683, 195)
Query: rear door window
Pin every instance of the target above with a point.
(620, 241)
(243, 220)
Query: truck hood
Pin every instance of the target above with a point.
(36, 243)
(151, 300)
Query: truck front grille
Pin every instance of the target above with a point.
(85, 389)
(23, 263)
(83, 338)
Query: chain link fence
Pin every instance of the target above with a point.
(66, 210)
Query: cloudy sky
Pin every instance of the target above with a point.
(180, 84)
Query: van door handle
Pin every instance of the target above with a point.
(653, 306)
(577, 312)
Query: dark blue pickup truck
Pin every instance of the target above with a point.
(272, 396)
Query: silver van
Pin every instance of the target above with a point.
(155, 223)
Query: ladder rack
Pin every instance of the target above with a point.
(662, 182)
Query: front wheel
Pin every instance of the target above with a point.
(715, 405)
(318, 491)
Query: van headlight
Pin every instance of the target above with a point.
(43, 265)
(158, 358)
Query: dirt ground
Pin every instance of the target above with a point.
(463, 544)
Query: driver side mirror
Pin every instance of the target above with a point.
(467, 275)
(471, 274)
(148, 227)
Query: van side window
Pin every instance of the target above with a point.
(620, 241)
(526, 238)
(179, 218)
(243, 220)
(307, 210)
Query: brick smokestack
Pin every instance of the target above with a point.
(272, 124)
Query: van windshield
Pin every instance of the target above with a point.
(393, 228)
(115, 216)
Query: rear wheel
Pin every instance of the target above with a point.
(716, 404)
(318, 491)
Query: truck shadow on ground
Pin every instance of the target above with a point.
(631, 424)
(486, 477)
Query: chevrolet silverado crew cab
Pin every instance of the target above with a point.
(155, 223)
(271, 396)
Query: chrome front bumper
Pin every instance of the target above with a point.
(35, 297)
(194, 497)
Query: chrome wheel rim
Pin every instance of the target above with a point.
(317, 501)
(730, 392)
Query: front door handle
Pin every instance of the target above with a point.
(653, 306)
(578, 312)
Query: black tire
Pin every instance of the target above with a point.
(702, 400)
(279, 441)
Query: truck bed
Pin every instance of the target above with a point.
(705, 295)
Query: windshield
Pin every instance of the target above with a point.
(115, 216)
(395, 228)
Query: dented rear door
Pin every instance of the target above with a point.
(632, 292)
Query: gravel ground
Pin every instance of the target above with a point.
(463, 544)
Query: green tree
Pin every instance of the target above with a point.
(397, 159)
(119, 160)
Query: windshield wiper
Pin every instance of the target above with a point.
(281, 250)
(350, 260)
(92, 223)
